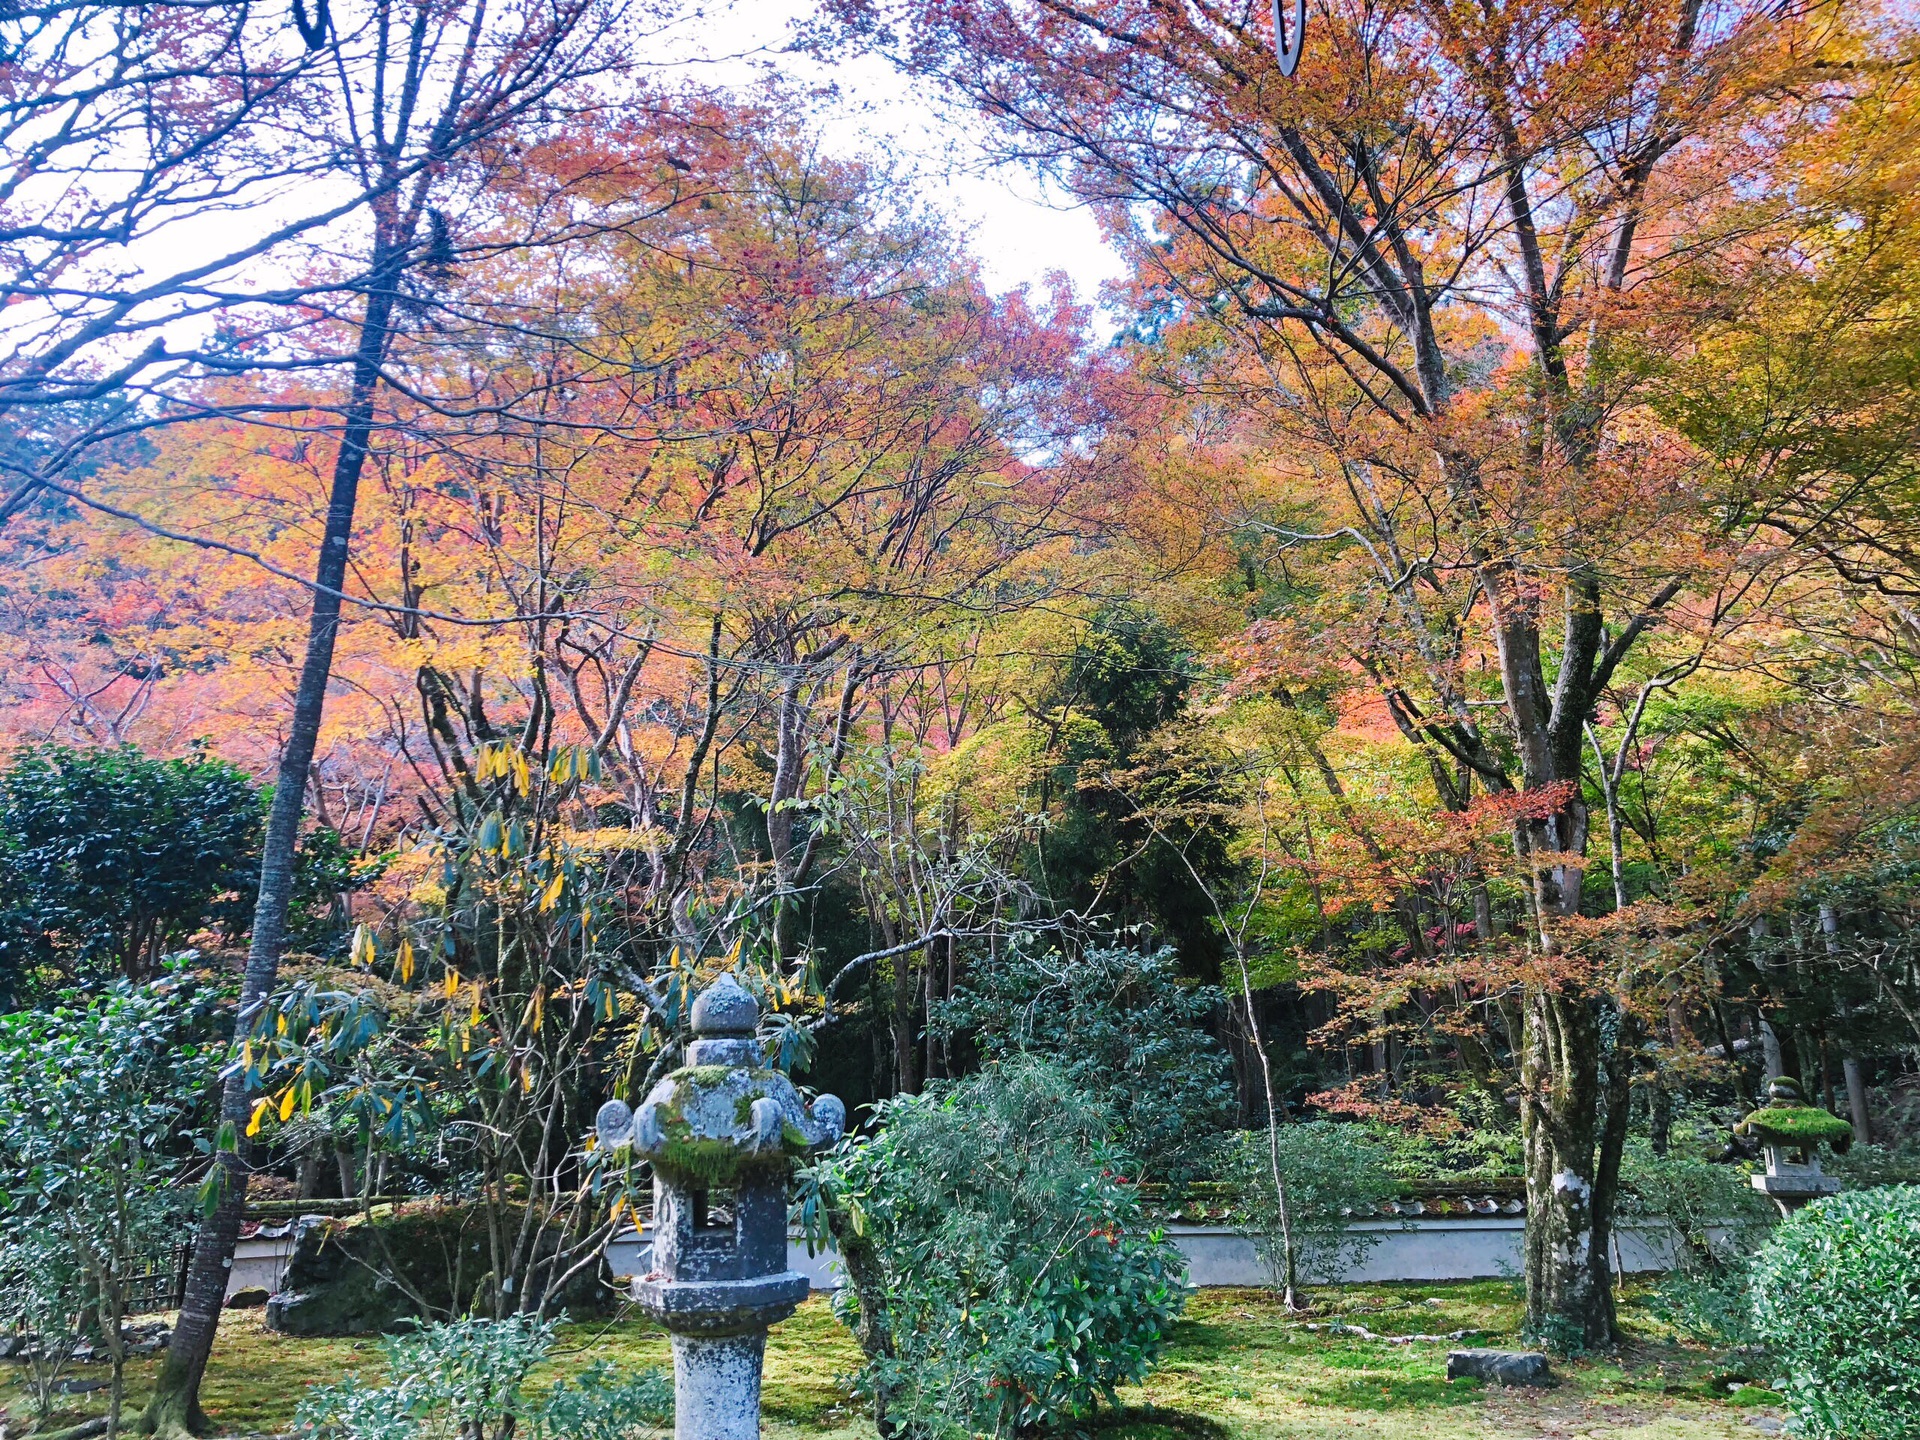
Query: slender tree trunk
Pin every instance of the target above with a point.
(906, 1047)
(1849, 1062)
(1857, 1099)
(175, 1406)
(867, 1278)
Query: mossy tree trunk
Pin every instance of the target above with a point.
(1571, 1174)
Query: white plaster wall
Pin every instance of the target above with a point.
(1406, 1250)
(259, 1263)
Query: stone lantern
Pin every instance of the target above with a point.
(722, 1135)
(1790, 1133)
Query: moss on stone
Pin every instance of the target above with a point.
(702, 1160)
(359, 1274)
(1796, 1125)
(711, 1164)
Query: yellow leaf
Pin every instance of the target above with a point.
(406, 962)
(453, 983)
(552, 892)
(287, 1098)
(526, 1079)
(474, 1019)
(280, 1023)
(259, 1110)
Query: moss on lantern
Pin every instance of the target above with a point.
(705, 1112)
(1797, 1125)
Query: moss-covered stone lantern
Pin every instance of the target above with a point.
(1790, 1133)
(722, 1135)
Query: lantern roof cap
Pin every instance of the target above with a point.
(725, 1010)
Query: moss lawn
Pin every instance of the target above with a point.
(1239, 1368)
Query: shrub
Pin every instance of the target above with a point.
(98, 1102)
(1003, 1277)
(1720, 1220)
(110, 858)
(43, 1295)
(1836, 1296)
(1865, 1166)
(1485, 1146)
(1333, 1173)
(1125, 1029)
(466, 1379)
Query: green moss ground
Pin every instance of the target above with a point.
(1240, 1368)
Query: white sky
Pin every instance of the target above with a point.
(1004, 213)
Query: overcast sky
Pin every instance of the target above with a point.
(1018, 236)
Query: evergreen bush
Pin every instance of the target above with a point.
(1836, 1297)
(1124, 1028)
(1719, 1220)
(1004, 1277)
(1334, 1173)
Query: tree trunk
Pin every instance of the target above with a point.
(1857, 1099)
(1660, 1117)
(1569, 1294)
(906, 1045)
(1775, 1062)
(175, 1406)
(868, 1281)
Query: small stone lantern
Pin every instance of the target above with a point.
(1790, 1133)
(722, 1135)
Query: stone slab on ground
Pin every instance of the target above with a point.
(1499, 1367)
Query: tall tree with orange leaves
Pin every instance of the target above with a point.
(1432, 265)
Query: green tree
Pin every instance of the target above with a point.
(1127, 676)
(1124, 1029)
(1003, 1279)
(1329, 1174)
(111, 857)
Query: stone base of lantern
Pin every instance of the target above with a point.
(719, 1330)
(716, 1386)
(721, 1307)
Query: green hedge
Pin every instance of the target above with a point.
(1836, 1296)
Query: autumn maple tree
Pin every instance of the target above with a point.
(1425, 266)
